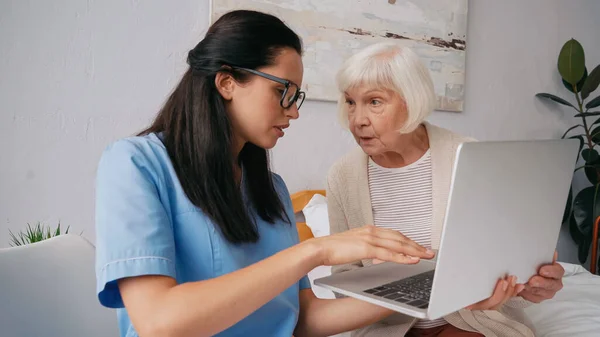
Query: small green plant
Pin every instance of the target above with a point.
(34, 233)
(583, 209)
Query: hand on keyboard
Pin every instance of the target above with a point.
(369, 242)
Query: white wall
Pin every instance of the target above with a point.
(75, 75)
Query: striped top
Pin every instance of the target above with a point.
(402, 200)
(349, 207)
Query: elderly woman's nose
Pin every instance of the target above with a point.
(361, 117)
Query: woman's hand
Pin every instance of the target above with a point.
(505, 290)
(369, 242)
(546, 284)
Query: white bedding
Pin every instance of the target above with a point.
(574, 311)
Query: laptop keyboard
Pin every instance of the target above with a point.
(414, 290)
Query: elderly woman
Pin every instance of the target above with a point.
(399, 178)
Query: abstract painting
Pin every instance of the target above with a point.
(332, 30)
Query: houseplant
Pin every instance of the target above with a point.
(34, 233)
(582, 209)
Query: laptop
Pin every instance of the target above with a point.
(503, 217)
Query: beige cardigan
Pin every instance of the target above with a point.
(349, 206)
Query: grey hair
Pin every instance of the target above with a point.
(388, 65)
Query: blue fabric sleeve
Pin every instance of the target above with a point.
(134, 234)
(305, 283)
(286, 199)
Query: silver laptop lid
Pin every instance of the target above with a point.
(503, 217)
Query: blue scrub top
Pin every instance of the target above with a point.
(145, 225)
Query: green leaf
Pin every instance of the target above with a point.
(593, 103)
(596, 122)
(595, 134)
(568, 206)
(588, 114)
(583, 250)
(555, 99)
(591, 83)
(16, 240)
(571, 61)
(579, 85)
(35, 233)
(591, 173)
(576, 234)
(583, 210)
(571, 128)
(582, 167)
(590, 156)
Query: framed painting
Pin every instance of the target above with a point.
(332, 30)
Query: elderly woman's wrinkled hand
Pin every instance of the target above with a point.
(370, 242)
(545, 284)
(505, 290)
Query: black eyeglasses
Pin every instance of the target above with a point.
(292, 94)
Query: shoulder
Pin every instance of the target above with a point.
(144, 154)
(440, 132)
(444, 138)
(278, 183)
(280, 188)
(346, 167)
(137, 146)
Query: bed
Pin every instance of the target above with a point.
(575, 310)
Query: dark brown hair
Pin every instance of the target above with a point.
(197, 131)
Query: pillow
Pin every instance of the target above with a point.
(574, 310)
(315, 214)
(319, 272)
(317, 219)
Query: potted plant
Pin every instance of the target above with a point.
(33, 234)
(582, 210)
